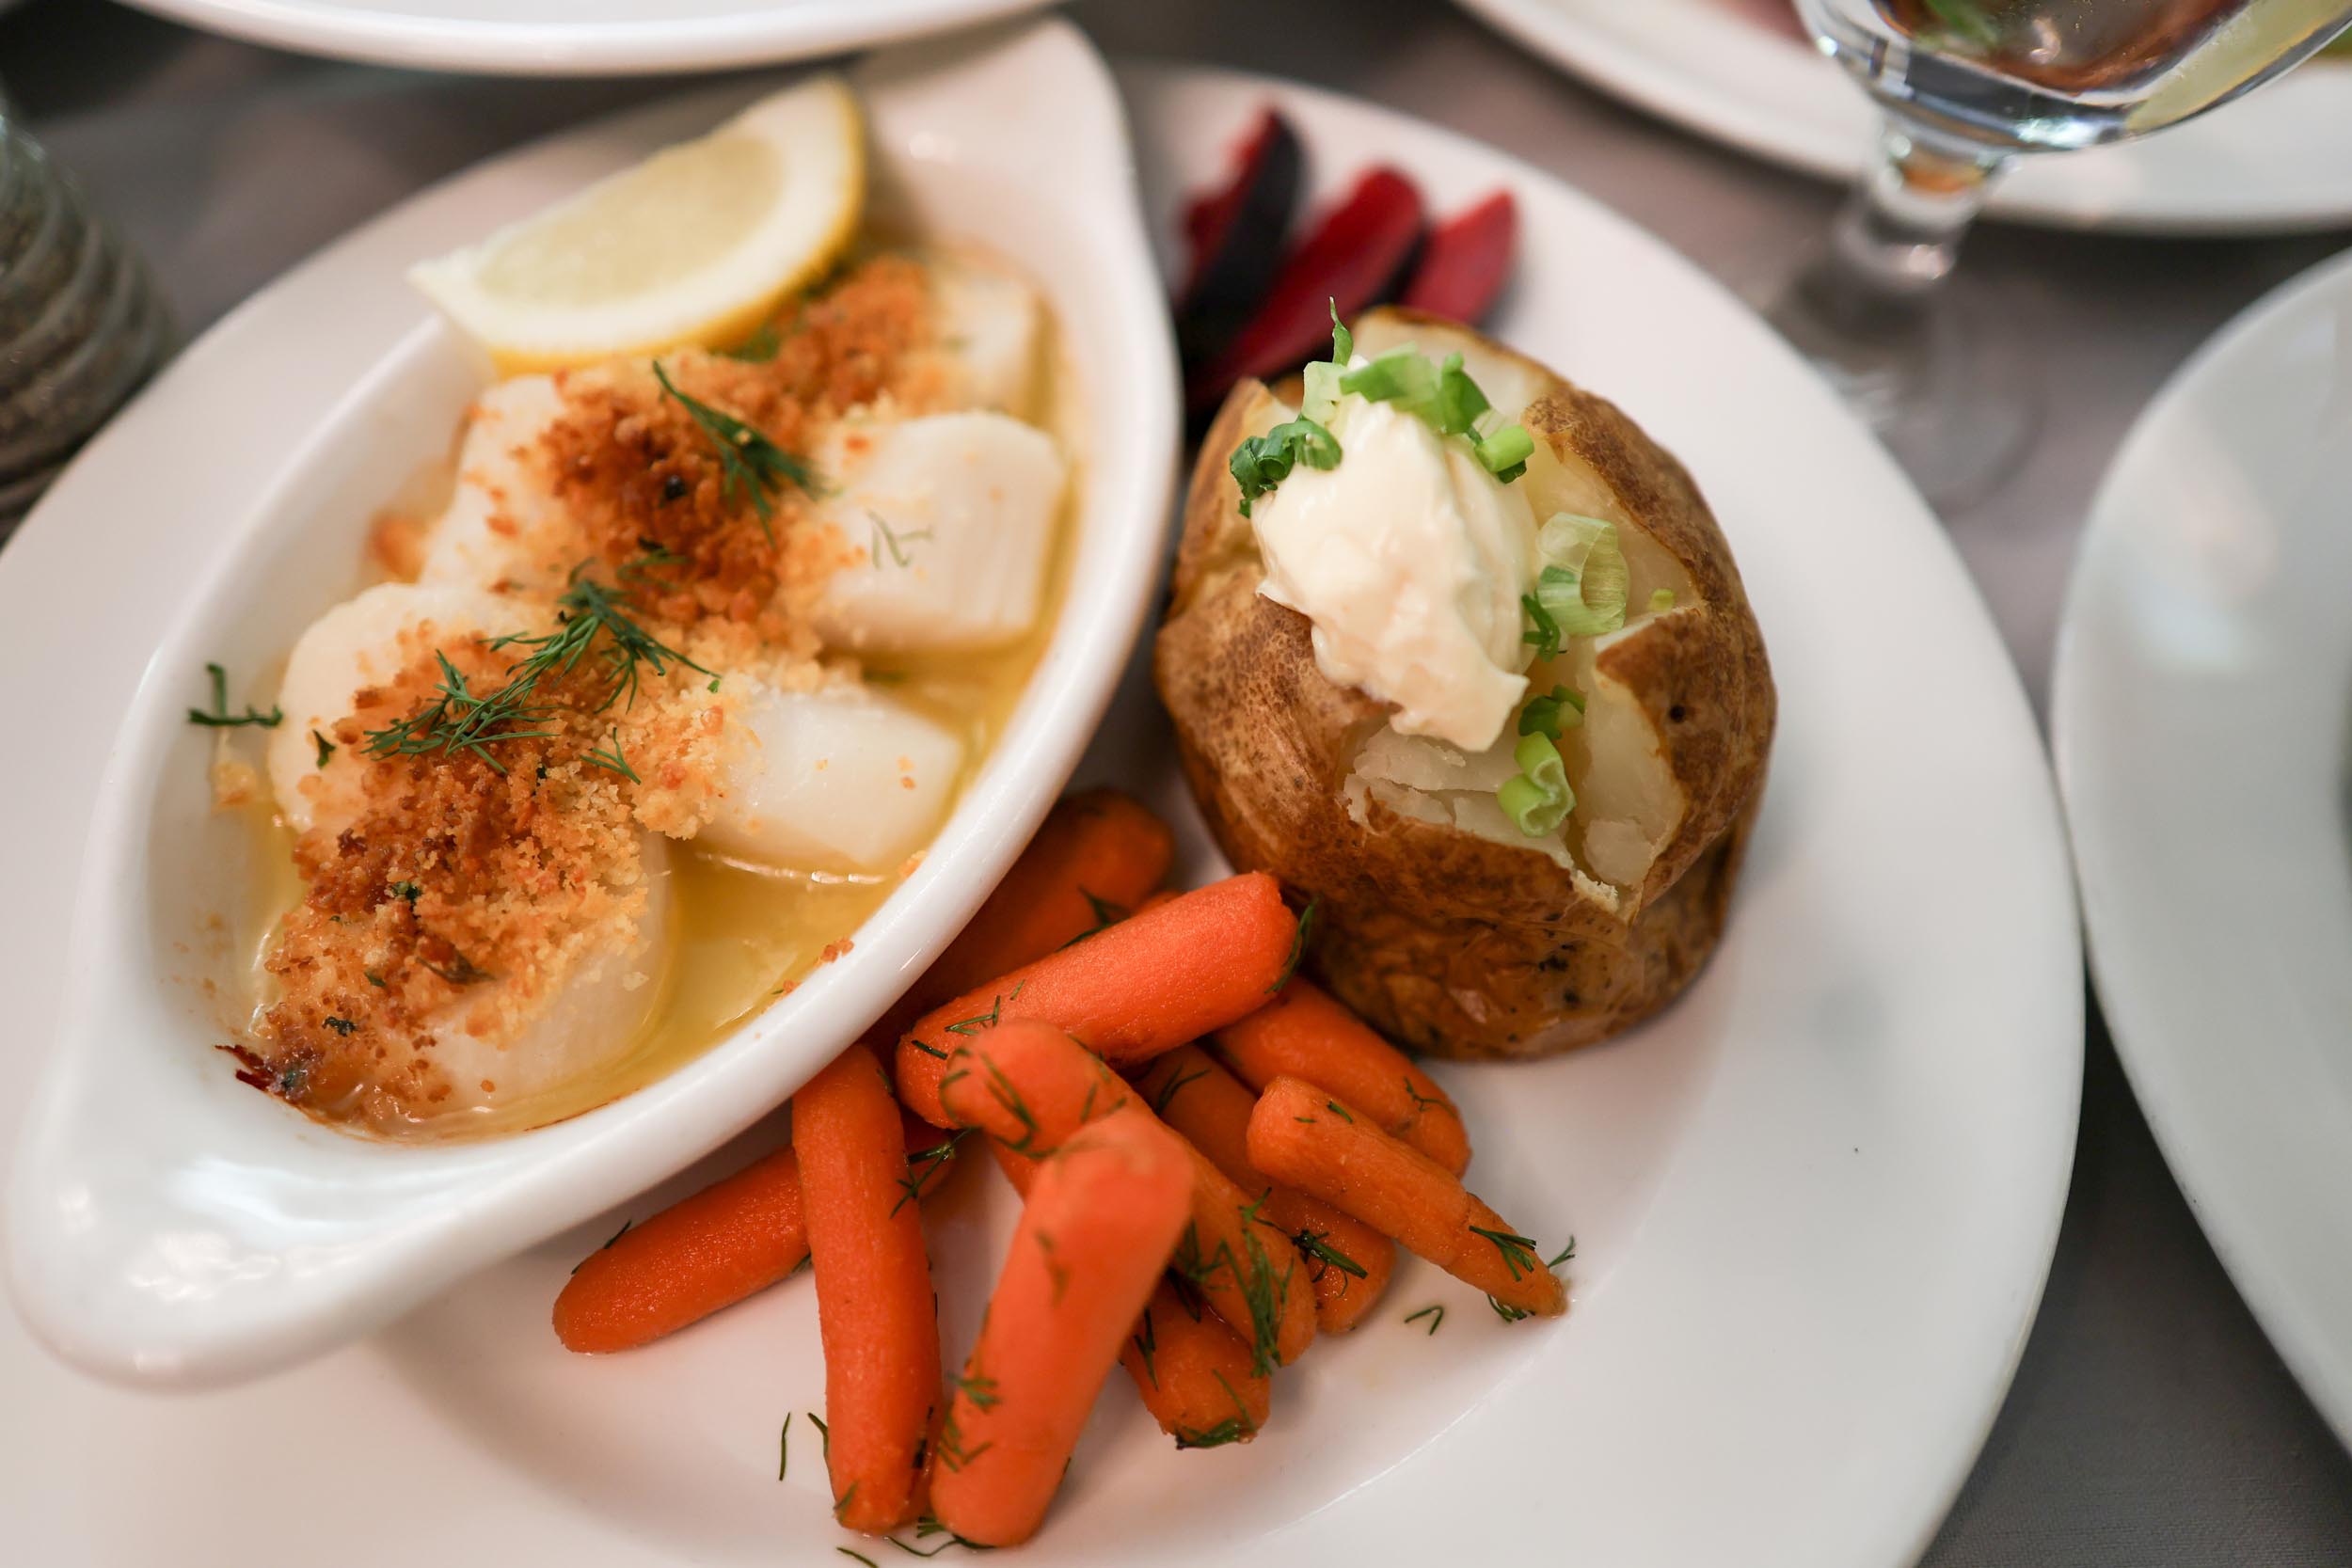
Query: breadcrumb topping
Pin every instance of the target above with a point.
(474, 882)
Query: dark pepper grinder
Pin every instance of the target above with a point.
(81, 324)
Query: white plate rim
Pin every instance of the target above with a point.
(2273, 1277)
(2048, 190)
(650, 43)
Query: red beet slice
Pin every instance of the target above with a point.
(1236, 233)
(1466, 261)
(1349, 258)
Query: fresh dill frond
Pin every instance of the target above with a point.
(887, 538)
(1435, 1314)
(616, 761)
(592, 621)
(1315, 1244)
(1166, 1097)
(219, 716)
(1519, 1252)
(1298, 946)
(751, 467)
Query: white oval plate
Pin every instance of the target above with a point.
(2272, 162)
(167, 1223)
(579, 38)
(2202, 686)
(1814, 1201)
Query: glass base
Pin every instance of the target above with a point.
(1952, 397)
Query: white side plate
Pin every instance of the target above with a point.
(579, 38)
(2203, 682)
(167, 1222)
(1813, 1202)
(2272, 162)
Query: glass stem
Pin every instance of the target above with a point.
(1898, 236)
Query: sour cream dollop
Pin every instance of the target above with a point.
(1409, 560)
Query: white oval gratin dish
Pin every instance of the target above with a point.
(167, 1223)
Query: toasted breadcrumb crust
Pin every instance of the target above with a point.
(472, 886)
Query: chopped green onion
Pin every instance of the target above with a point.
(1263, 462)
(1322, 392)
(1343, 341)
(1506, 452)
(1537, 797)
(1399, 376)
(1660, 600)
(1460, 402)
(1586, 584)
(1543, 632)
(1548, 715)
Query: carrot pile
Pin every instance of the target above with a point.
(1216, 1162)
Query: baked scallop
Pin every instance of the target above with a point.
(1446, 923)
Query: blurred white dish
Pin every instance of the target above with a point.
(166, 1222)
(1728, 69)
(579, 38)
(1814, 1200)
(2203, 688)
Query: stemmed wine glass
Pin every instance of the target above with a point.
(1967, 86)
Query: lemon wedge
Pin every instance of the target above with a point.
(694, 245)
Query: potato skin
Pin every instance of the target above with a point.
(1450, 943)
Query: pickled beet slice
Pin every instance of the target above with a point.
(1466, 261)
(1236, 234)
(1350, 258)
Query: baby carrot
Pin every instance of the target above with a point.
(1031, 1087)
(733, 1239)
(876, 1314)
(1102, 1215)
(1348, 1262)
(1304, 1136)
(1304, 1034)
(1130, 992)
(1096, 858)
(1193, 1372)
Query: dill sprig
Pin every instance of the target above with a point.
(1147, 1341)
(886, 537)
(616, 761)
(1435, 1314)
(1002, 1090)
(923, 1163)
(1106, 914)
(1316, 1246)
(1253, 1277)
(1519, 1252)
(928, 1526)
(750, 465)
(220, 718)
(1166, 1097)
(784, 1446)
(980, 1390)
(952, 1452)
(592, 620)
(1298, 946)
(1233, 1429)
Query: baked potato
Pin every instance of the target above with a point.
(1441, 920)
